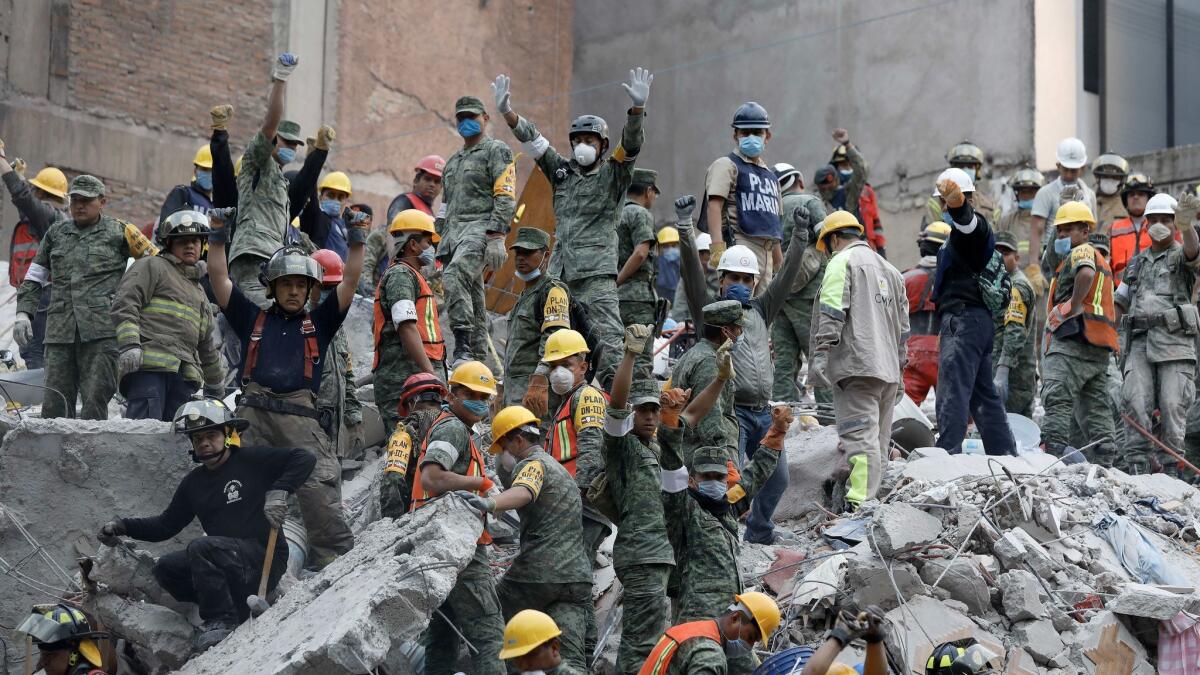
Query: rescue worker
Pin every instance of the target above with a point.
(283, 352)
(64, 639)
(588, 189)
(636, 247)
(532, 644)
(85, 257)
(705, 646)
(239, 494)
(40, 203)
(1014, 363)
(742, 194)
(921, 367)
(971, 288)
(421, 401)
(426, 186)
(712, 279)
(842, 184)
(1080, 338)
(408, 335)
(551, 571)
(790, 330)
(450, 462)
(196, 195)
(336, 398)
(325, 220)
(1128, 235)
(871, 626)
(968, 157)
(165, 328)
(859, 349)
(542, 308)
(1024, 183)
(264, 210)
(1070, 158)
(1160, 325)
(666, 262)
(1110, 171)
(478, 200)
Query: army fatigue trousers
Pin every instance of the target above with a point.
(245, 273)
(598, 295)
(1168, 387)
(1067, 382)
(567, 604)
(640, 312)
(474, 609)
(466, 306)
(864, 407)
(320, 498)
(789, 340)
(646, 613)
(86, 371)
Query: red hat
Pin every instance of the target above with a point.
(331, 263)
(432, 164)
(417, 384)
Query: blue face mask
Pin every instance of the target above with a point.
(286, 154)
(1062, 246)
(1025, 204)
(751, 146)
(537, 272)
(713, 489)
(428, 256)
(737, 648)
(469, 127)
(476, 408)
(946, 218)
(204, 179)
(670, 255)
(739, 292)
(331, 207)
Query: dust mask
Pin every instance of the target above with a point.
(561, 380)
(1109, 186)
(1159, 232)
(585, 154)
(507, 461)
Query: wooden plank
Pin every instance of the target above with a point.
(535, 208)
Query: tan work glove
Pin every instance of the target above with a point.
(950, 192)
(781, 420)
(725, 361)
(537, 396)
(325, 136)
(19, 166)
(635, 338)
(221, 114)
(1033, 272)
(1185, 212)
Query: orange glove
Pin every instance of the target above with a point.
(781, 420)
(537, 396)
(734, 476)
(950, 192)
(486, 485)
(672, 402)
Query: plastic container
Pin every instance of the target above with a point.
(786, 662)
(1026, 434)
(972, 446)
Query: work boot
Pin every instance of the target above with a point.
(1069, 454)
(220, 117)
(211, 633)
(462, 348)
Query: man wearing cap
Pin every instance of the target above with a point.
(426, 186)
(588, 191)
(1128, 235)
(542, 308)
(1014, 365)
(85, 256)
(1070, 159)
(636, 248)
(712, 280)
(742, 194)
(1160, 324)
(479, 189)
(921, 370)
(263, 214)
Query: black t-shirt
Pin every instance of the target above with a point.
(228, 501)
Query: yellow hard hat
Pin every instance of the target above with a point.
(936, 231)
(51, 180)
(564, 343)
(335, 180)
(237, 168)
(668, 235)
(765, 611)
(839, 668)
(474, 376)
(1074, 212)
(512, 417)
(203, 158)
(526, 631)
(413, 220)
(838, 220)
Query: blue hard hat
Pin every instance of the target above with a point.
(751, 115)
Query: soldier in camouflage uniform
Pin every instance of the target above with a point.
(1013, 362)
(542, 308)
(263, 211)
(704, 646)
(636, 247)
(336, 398)
(85, 257)
(1160, 325)
(697, 368)
(588, 189)
(712, 280)
(421, 402)
(551, 571)
(478, 200)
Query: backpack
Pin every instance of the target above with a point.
(995, 286)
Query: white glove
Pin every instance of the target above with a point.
(23, 329)
(495, 255)
(284, 65)
(502, 93)
(130, 361)
(639, 86)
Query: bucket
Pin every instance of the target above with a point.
(297, 542)
(786, 662)
(1025, 433)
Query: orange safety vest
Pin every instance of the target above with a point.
(312, 354)
(427, 319)
(1125, 242)
(660, 658)
(564, 443)
(474, 468)
(21, 251)
(1099, 316)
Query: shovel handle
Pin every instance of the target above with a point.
(266, 573)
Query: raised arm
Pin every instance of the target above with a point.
(1185, 220)
(691, 270)
(357, 233)
(703, 402)
(538, 147)
(780, 288)
(303, 189)
(218, 265)
(282, 69)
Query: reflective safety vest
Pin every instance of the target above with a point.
(474, 468)
(427, 318)
(660, 658)
(22, 248)
(564, 443)
(1099, 316)
(312, 354)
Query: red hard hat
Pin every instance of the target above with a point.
(432, 164)
(331, 263)
(416, 384)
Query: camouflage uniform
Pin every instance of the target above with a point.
(337, 395)
(263, 212)
(586, 211)
(542, 308)
(395, 487)
(1019, 223)
(375, 260)
(85, 264)
(1160, 356)
(789, 332)
(472, 606)
(695, 370)
(637, 294)
(551, 572)
(478, 198)
(1014, 346)
(395, 365)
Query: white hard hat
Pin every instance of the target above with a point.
(961, 178)
(1071, 153)
(703, 242)
(738, 259)
(1161, 203)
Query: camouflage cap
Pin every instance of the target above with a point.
(289, 131)
(710, 459)
(86, 186)
(469, 104)
(1006, 240)
(1099, 240)
(645, 178)
(723, 313)
(531, 239)
(643, 392)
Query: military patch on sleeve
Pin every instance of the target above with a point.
(506, 184)
(399, 451)
(1083, 256)
(735, 494)
(531, 477)
(556, 313)
(1016, 309)
(590, 411)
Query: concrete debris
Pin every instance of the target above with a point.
(870, 579)
(1021, 596)
(900, 526)
(814, 462)
(1017, 548)
(1147, 601)
(161, 638)
(1038, 637)
(962, 580)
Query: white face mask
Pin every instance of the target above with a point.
(585, 154)
(1159, 232)
(561, 380)
(1109, 186)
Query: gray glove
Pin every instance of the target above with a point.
(638, 87)
(130, 361)
(283, 66)
(23, 329)
(816, 370)
(636, 336)
(225, 214)
(110, 534)
(1000, 382)
(683, 209)
(275, 507)
(495, 255)
(480, 504)
(214, 391)
(502, 94)
(803, 220)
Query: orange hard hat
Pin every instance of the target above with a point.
(432, 164)
(331, 264)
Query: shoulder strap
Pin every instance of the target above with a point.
(252, 348)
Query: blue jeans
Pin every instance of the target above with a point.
(964, 388)
(754, 425)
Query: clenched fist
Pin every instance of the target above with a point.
(635, 338)
(951, 193)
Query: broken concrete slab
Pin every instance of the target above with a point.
(1148, 601)
(922, 623)
(1105, 640)
(1017, 548)
(813, 462)
(963, 580)
(347, 618)
(869, 582)
(161, 637)
(941, 467)
(1038, 637)
(900, 526)
(1021, 595)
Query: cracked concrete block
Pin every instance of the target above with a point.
(1017, 547)
(1021, 595)
(1148, 601)
(813, 461)
(161, 637)
(900, 526)
(1039, 638)
(962, 580)
(867, 579)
